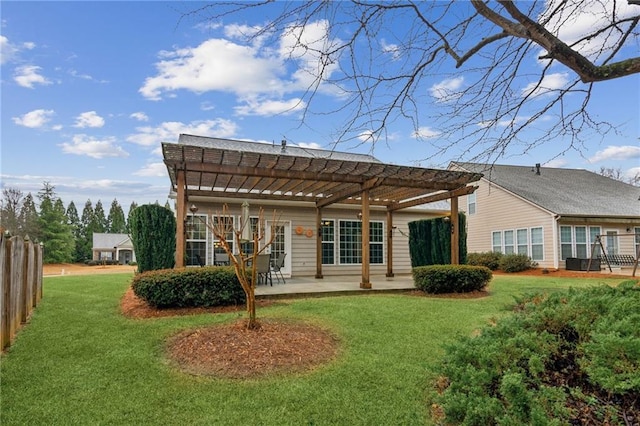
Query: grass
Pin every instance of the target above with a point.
(80, 362)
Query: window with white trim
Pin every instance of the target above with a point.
(350, 242)
(566, 242)
(496, 241)
(580, 234)
(471, 203)
(522, 239)
(196, 240)
(508, 242)
(328, 229)
(227, 223)
(594, 231)
(537, 244)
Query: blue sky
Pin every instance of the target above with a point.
(91, 89)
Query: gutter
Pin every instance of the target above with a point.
(556, 258)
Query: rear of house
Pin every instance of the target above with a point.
(551, 214)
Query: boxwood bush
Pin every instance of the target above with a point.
(192, 287)
(569, 358)
(451, 278)
(515, 262)
(489, 259)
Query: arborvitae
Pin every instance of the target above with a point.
(430, 241)
(153, 233)
(132, 207)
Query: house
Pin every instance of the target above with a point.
(113, 246)
(550, 214)
(339, 213)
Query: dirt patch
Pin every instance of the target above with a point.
(562, 273)
(232, 351)
(58, 269)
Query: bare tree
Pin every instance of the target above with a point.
(10, 207)
(244, 262)
(381, 58)
(617, 174)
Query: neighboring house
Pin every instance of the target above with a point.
(113, 246)
(550, 214)
(322, 199)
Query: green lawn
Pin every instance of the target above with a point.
(80, 362)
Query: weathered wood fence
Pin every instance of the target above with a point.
(21, 287)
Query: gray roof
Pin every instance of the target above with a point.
(567, 192)
(109, 241)
(268, 148)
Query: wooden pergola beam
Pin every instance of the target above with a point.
(348, 192)
(432, 198)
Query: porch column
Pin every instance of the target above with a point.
(180, 215)
(389, 243)
(455, 232)
(319, 243)
(365, 240)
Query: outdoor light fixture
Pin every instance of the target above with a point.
(359, 215)
(193, 208)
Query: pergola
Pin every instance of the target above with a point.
(288, 174)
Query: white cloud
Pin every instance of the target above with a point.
(92, 147)
(424, 133)
(447, 90)
(9, 51)
(28, 75)
(611, 152)
(549, 83)
(140, 116)
(367, 136)
(392, 49)
(153, 169)
(572, 23)
(632, 172)
(214, 65)
(89, 119)
(309, 145)
(169, 131)
(207, 106)
(556, 162)
(268, 108)
(34, 119)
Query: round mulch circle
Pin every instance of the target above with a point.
(232, 351)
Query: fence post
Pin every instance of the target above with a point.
(5, 262)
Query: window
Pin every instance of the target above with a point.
(612, 243)
(328, 229)
(580, 233)
(471, 203)
(637, 240)
(496, 241)
(350, 250)
(522, 236)
(508, 242)
(566, 242)
(196, 227)
(537, 244)
(227, 223)
(594, 231)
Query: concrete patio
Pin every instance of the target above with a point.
(332, 285)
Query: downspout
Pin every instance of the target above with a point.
(556, 243)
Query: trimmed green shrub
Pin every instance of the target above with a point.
(192, 287)
(430, 241)
(153, 233)
(579, 348)
(515, 262)
(489, 259)
(451, 278)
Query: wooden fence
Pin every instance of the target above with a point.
(21, 287)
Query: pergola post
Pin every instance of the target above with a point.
(365, 240)
(319, 243)
(180, 215)
(389, 243)
(455, 232)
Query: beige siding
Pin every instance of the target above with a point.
(303, 248)
(499, 210)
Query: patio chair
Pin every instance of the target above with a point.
(263, 269)
(277, 266)
(222, 259)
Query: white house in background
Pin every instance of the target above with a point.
(339, 213)
(550, 214)
(113, 246)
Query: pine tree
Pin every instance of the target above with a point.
(100, 218)
(55, 233)
(28, 219)
(10, 211)
(73, 220)
(116, 223)
(88, 224)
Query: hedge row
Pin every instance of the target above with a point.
(505, 262)
(192, 287)
(451, 278)
(579, 348)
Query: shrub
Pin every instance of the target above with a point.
(430, 241)
(451, 278)
(193, 287)
(489, 259)
(153, 233)
(515, 262)
(579, 348)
